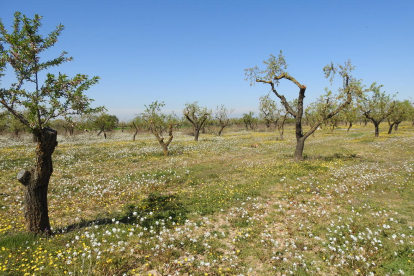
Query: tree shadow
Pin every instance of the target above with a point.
(157, 211)
(335, 156)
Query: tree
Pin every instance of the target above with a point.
(249, 120)
(68, 125)
(350, 115)
(85, 122)
(222, 117)
(137, 123)
(333, 122)
(376, 105)
(268, 110)
(275, 72)
(105, 122)
(3, 121)
(158, 124)
(271, 114)
(402, 111)
(58, 96)
(15, 125)
(123, 125)
(197, 116)
(312, 116)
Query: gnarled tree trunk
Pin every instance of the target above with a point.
(300, 145)
(391, 126)
(36, 182)
(376, 125)
(196, 134)
(221, 130)
(396, 126)
(160, 139)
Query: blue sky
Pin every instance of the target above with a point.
(186, 51)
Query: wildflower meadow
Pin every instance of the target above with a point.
(217, 206)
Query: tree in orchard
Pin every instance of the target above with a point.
(222, 116)
(268, 110)
(160, 123)
(249, 120)
(68, 125)
(3, 121)
(350, 115)
(272, 114)
(105, 122)
(137, 123)
(402, 111)
(275, 71)
(197, 116)
(58, 96)
(376, 105)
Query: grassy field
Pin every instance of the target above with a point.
(217, 207)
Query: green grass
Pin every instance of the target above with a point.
(217, 207)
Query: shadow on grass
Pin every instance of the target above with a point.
(156, 212)
(16, 240)
(335, 156)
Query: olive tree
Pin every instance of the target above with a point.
(59, 95)
(197, 116)
(376, 105)
(275, 71)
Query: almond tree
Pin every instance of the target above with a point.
(249, 120)
(57, 96)
(350, 115)
(376, 105)
(67, 125)
(159, 123)
(197, 116)
(3, 121)
(137, 123)
(275, 72)
(222, 117)
(271, 114)
(105, 122)
(402, 111)
(268, 109)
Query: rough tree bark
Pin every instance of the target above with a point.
(160, 139)
(36, 182)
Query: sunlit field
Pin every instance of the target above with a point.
(231, 205)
